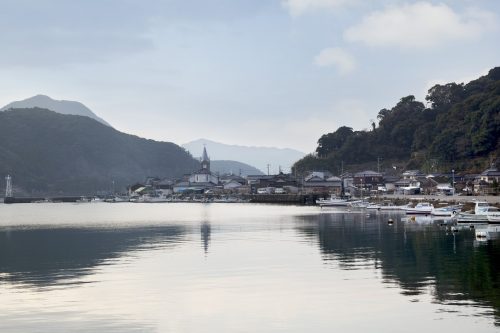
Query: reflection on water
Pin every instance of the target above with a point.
(195, 267)
(55, 256)
(418, 255)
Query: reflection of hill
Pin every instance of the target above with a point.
(414, 257)
(43, 257)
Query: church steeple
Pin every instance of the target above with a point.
(205, 161)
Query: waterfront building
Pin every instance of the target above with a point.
(368, 179)
(322, 183)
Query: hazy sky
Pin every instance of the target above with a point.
(252, 72)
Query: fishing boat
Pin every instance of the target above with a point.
(421, 208)
(447, 211)
(480, 214)
(333, 202)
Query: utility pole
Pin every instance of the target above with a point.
(453, 180)
(268, 165)
(8, 187)
(378, 164)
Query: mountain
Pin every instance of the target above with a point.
(458, 129)
(49, 153)
(63, 107)
(259, 157)
(234, 167)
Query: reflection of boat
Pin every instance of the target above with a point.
(487, 233)
(482, 210)
(419, 219)
(388, 206)
(421, 208)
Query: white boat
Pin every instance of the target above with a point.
(493, 214)
(387, 206)
(421, 208)
(482, 210)
(152, 199)
(446, 211)
(333, 202)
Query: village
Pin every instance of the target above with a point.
(206, 185)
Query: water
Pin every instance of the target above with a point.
(239, 268)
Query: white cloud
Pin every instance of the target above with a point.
(420, 25)
(305, 132)
(337, 57)
(299, 7)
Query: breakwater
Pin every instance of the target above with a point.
(11, 200)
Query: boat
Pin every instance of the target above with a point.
(333, 202)
(446, 211)
(387, 205)
(493, 215)
(421, 208)
(480, 214)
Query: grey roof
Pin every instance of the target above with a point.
(367, 173)
(491, 172)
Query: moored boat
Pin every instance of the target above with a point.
(481, 214)
(421, 208)
(446, 211)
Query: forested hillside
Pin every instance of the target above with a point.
(50, 153)
(458, 127)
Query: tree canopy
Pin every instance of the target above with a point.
(459, 125)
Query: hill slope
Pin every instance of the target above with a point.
(63, 107)
(51, 153)
(234, 167)
(256, 156)
(460, 130)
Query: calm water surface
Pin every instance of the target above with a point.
(239, 268)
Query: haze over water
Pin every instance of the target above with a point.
(239, 268)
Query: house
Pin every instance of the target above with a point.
(487, 182)
(412, 174)
(368, 180)
(322, 182)
(232, 185)
(274, 181)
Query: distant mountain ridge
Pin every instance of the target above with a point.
(62, 106)
(50, 153)
(259, 157)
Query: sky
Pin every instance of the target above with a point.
(276, 73)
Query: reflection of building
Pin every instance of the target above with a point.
(205, 231)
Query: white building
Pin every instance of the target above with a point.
(204, 177)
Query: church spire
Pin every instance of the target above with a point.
(205, 155)
(205, 161)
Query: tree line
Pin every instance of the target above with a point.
(458, 127)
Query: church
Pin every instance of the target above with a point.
(204, 177)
